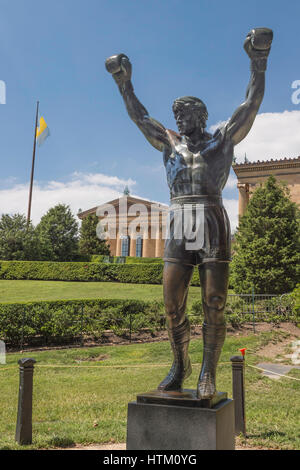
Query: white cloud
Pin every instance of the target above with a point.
(99, 178)
(231, 206)
(273, 135)
(83, 191)
(214, 127)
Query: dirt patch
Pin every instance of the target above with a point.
(122, 446)
(277, 350)
(99, 358)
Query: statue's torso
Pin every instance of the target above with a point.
(200, 173)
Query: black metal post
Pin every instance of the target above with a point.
(130, 326)
(24, 420)
(238, 393)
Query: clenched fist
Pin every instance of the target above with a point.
(258, 43)
(120, 68)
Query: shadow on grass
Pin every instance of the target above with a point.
(57, 441)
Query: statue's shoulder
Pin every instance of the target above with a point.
(220, 133)
(174, 137)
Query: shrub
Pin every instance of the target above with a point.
(234, 317)
(43, 321)
(79, 271)
(267, 246)
(89, 242)
(32, 322)
(295, 295)
(137, 260)
(58, 234)
(97, 258)
(18, 240)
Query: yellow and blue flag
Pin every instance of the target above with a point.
(42, 132)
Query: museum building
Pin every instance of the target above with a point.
(251, 174)
(138, 226)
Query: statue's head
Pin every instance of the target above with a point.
(190, 113)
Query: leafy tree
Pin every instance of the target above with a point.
(267, 242)
(17, 241)
(58, 234)
(89, 243)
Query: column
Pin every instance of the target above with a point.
(159, 246)
(149, 246)
(132, 247)
(243, 197)
(118, 245)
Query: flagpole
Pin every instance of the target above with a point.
(32, 166)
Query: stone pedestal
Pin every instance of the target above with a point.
(169, 427)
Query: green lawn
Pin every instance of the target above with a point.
(23, 291)
(85, 400)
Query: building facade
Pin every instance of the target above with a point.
(133, 226)
(250, 175)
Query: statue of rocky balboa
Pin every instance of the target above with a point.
(197, 166)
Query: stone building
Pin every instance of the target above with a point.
(135, 226)
(250, 175)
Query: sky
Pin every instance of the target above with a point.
(55, 53)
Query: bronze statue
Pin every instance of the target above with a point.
(197, 166)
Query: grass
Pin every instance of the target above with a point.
(86, 401)
(26, 291)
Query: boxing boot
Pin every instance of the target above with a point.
(213, 340)
(181, 368)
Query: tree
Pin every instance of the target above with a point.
(58, 234)
(17, 241)
(267, 242)
(89, 243)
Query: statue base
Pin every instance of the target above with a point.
(185, 398)
(179, 421)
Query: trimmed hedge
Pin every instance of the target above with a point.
(30, 322)
(135, 260)
(75, 271)
(40, 322)
(106, 259)
(122, 259)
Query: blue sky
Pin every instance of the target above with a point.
(55, 52)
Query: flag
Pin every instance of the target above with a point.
(42, 132)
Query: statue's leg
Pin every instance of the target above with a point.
(214, 282)
(176, 283)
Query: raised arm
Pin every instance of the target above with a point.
(120, 68)
(257, 45)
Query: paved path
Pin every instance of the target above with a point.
(276, 368)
